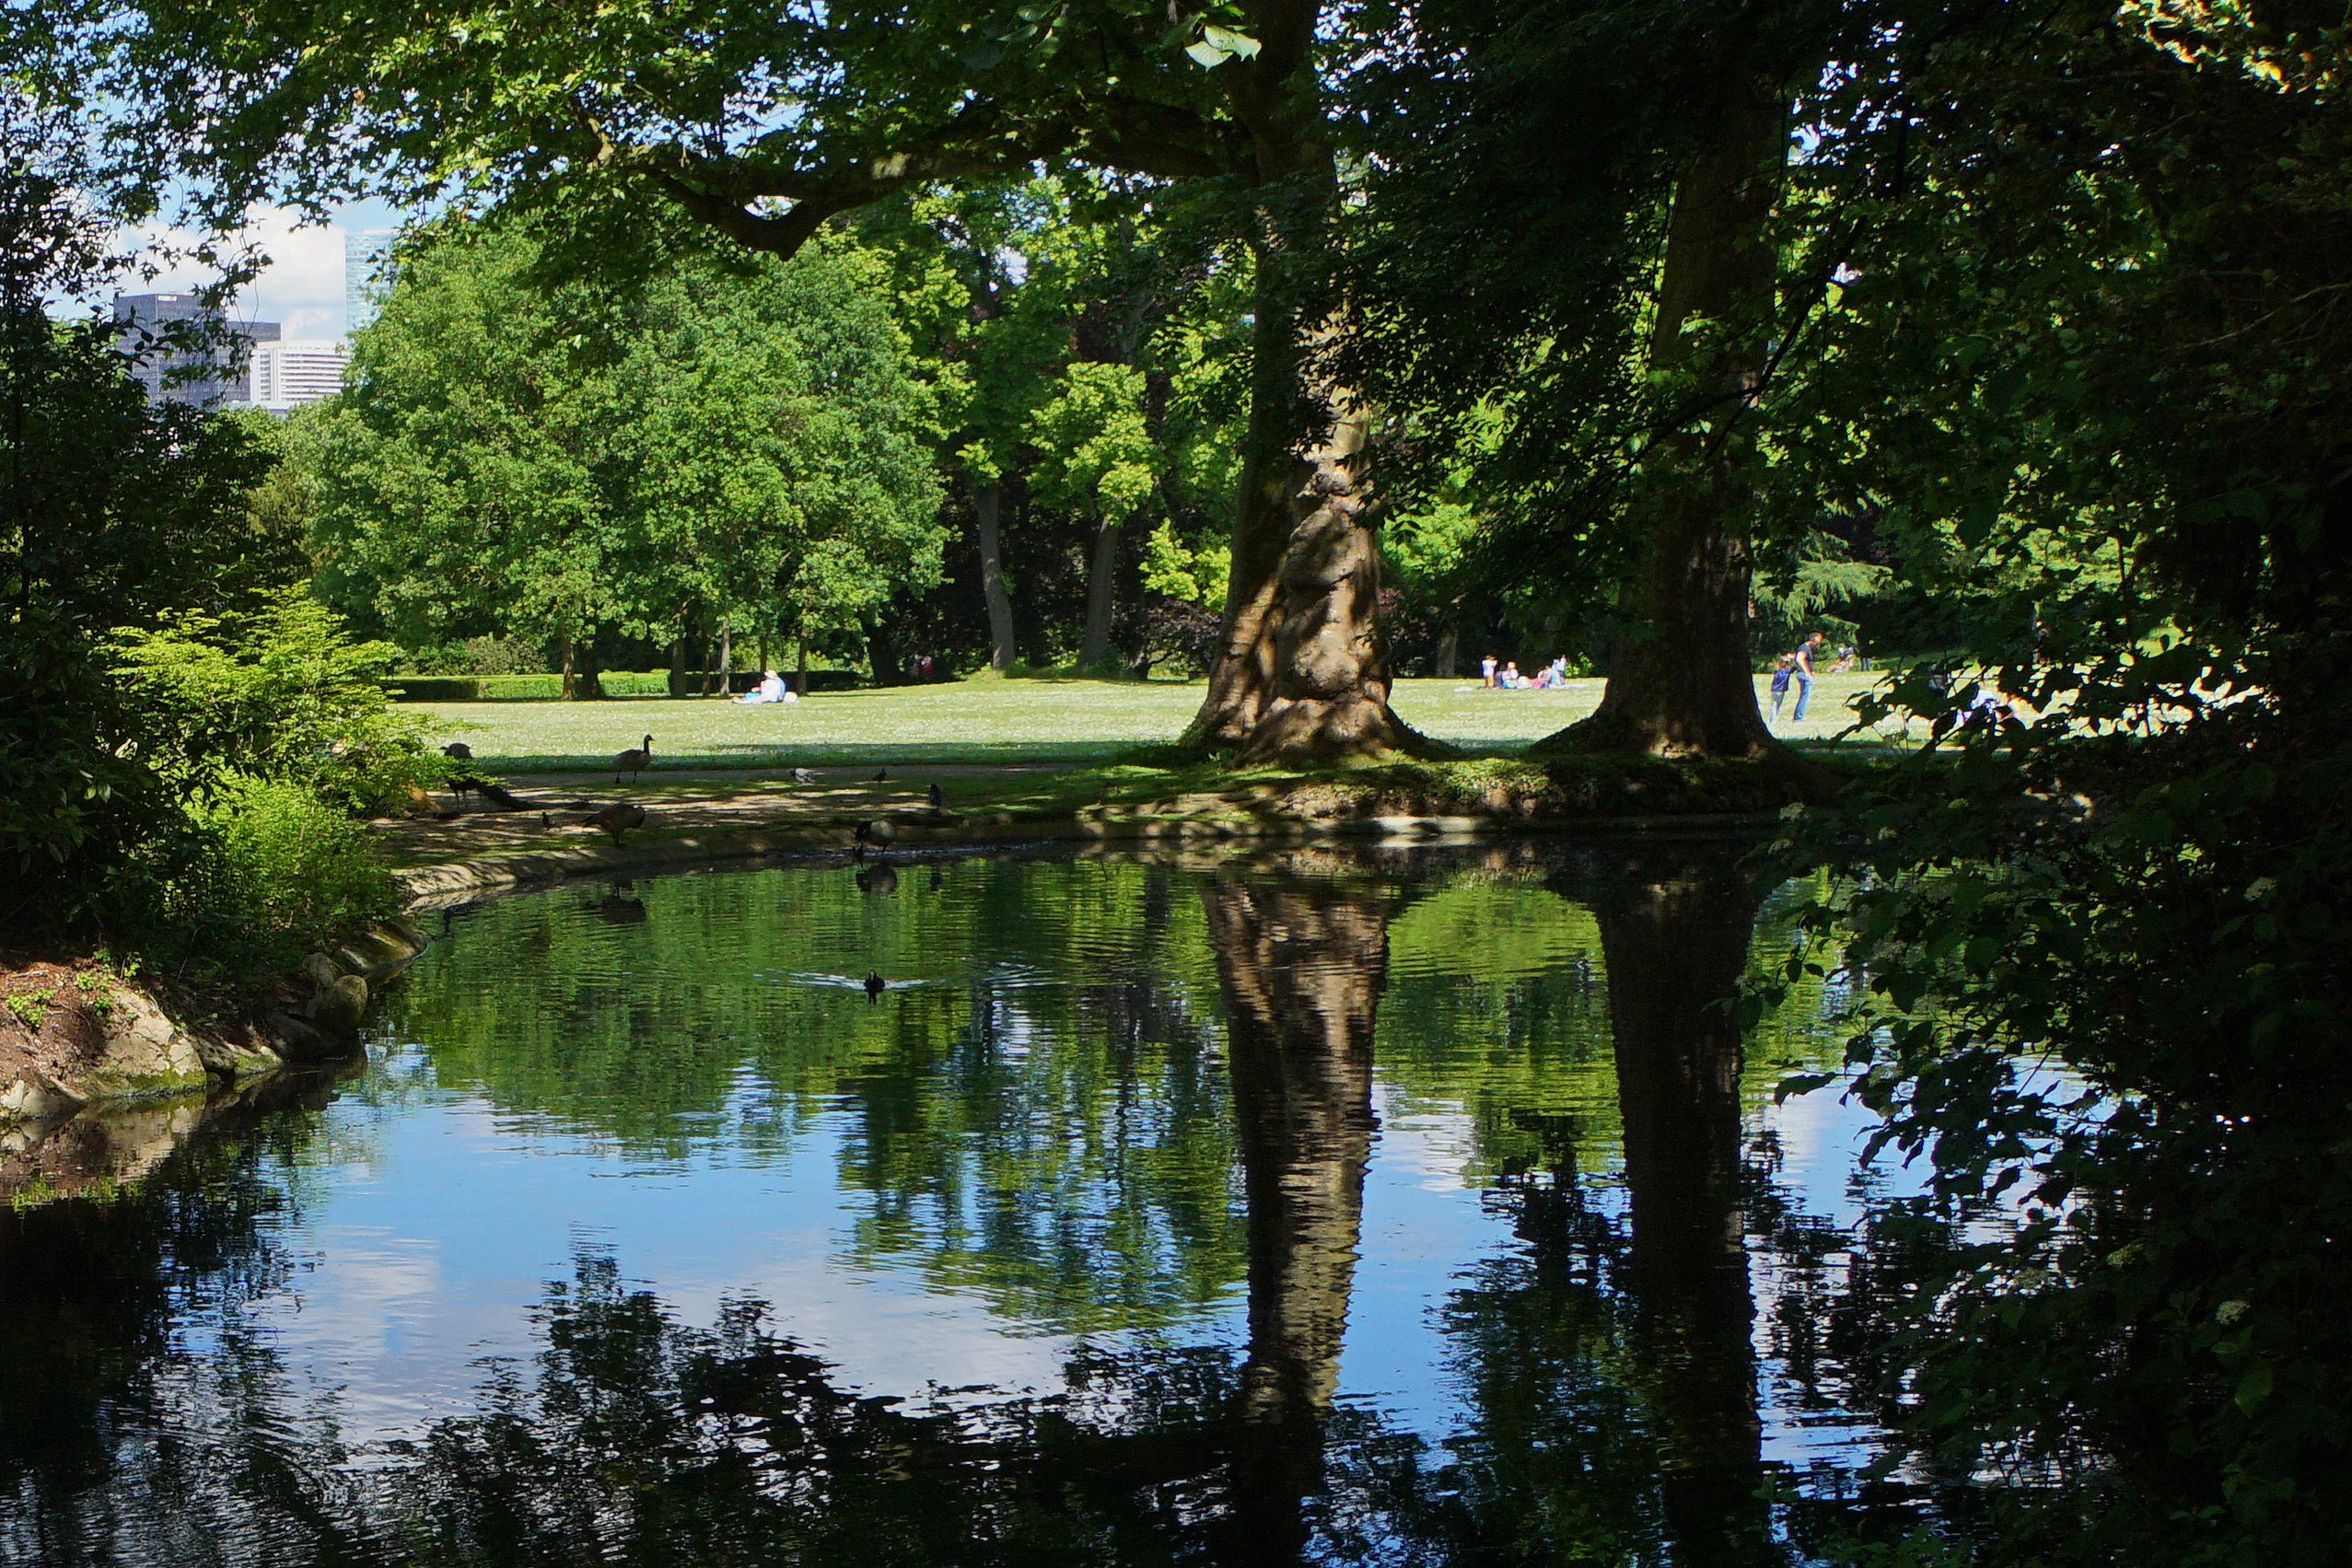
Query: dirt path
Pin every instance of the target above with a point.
(685, 800)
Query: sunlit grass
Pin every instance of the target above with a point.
(985, 720)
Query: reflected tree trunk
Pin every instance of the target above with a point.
(1301, 968)
(1676, 945)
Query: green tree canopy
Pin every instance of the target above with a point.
(734, 448)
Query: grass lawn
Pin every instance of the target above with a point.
(981, 720)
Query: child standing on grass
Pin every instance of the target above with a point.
(1782, 668)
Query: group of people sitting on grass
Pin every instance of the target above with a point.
(771, 688)
(1505, 677)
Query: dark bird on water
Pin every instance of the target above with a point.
(632, 761)
(878, 878)
(874, 983)
(620, 817)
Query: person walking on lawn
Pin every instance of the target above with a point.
(1803, 674)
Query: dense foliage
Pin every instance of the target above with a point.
(181, 736)
(2014, 333)
(725, 448)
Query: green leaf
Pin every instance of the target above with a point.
(1799, 1083)
(2254, 1387)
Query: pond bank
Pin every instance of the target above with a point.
(101, 1074)
(704, 821)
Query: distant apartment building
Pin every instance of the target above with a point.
(184, 352)
(293, 371)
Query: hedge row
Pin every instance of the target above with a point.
(547, 687)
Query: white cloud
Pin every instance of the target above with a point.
(301, 288)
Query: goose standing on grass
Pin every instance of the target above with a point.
(632, 761)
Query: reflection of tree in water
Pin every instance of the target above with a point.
(1607, 1386)
(98, 1299)
(1609, 1411)
(1301, 965)
(1675, 941)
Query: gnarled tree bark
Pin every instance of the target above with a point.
(1299, 674)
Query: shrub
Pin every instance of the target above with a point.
(272, 873)
(282, 693)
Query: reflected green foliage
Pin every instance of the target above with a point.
(1121, 1101)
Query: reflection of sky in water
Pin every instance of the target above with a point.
(429, 1257)
(432, 1257)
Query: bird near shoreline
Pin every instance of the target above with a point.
(620, 817)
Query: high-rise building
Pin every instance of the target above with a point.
(182, 350)
(367, 274)
(293, 371)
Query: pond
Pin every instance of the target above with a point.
(1417, 1207)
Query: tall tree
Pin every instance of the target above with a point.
(765, 124)
(1603, 332)
(729, 448)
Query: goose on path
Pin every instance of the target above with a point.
(632, 761)
(620, 817)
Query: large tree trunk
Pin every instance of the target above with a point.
(1679, 679)
(1674, 940)
(1299, 674)
(1101, 595)
(987, 509)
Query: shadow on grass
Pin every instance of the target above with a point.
(829, 754)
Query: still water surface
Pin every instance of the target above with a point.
(1414, 1208)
